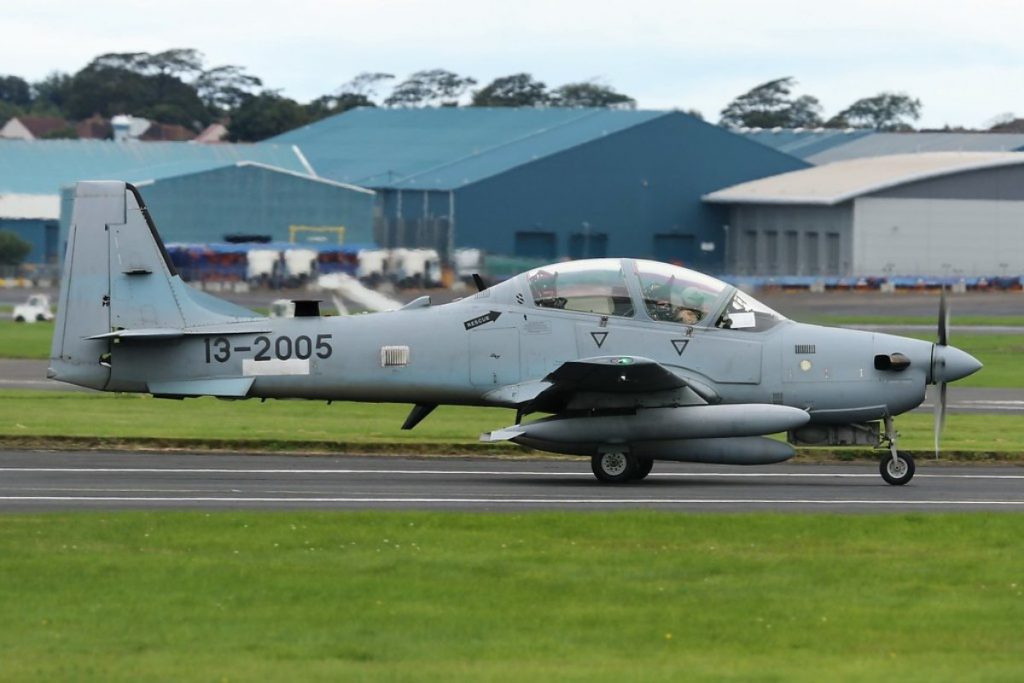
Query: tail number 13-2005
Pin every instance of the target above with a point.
(219, 349)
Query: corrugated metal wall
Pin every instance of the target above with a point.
(938, 237)
(204, 207)
(771, 239)
(632, 193)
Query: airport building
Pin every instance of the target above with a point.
(194, 192)
(929, 214)
(541, 184)
(824, 146)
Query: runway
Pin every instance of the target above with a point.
(44, 481)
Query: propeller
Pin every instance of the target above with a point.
(940, 399)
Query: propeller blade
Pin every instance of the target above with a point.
(943, 319)
(940, 416)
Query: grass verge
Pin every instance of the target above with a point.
(930, 320)
(39, 419)
(25, 340)
(631, 596)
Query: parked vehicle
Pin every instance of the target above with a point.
(35, 310)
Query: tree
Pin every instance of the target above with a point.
(223, 88)
(590, 94)
(265, 115)
(133, 83)
(886, 111)
(13, 249)
(51, 93)
(770, 105)
(434, 86)
(15, 90)
(355, 93)
(517, 90)
(329, 105)
(364, 84)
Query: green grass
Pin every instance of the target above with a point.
(634, 596)
(293, 425)
(931, 320)
(25, 340)
(1000, 353)
(127, 416)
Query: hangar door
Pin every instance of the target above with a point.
(937, 236)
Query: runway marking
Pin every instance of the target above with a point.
(494, 473)
(511, 501)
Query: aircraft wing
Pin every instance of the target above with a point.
(612, 375)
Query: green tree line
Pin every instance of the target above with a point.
(177, 87)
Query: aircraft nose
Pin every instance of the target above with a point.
(951, 364)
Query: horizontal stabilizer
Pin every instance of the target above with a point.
(173, 332)
(232, 387)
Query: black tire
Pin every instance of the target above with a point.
(19, 319)
(643, 468)
(898, 472)
(613, 467)
(40, 318)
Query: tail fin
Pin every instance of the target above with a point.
(118, 276)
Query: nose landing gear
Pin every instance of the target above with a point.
(896, 467)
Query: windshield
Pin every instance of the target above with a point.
(675, 294)
(744, 312)
(593, 286)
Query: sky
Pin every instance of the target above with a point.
(964, 61)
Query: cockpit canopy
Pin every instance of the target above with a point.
(632, 288)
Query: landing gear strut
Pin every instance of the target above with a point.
(896, 467)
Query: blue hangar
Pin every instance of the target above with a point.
(196, 192)
(541, 183)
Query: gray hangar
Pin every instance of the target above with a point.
(541, 183)
(927, 214)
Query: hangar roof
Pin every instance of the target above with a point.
(844, 180)
(447, 147)
(44, 166)
(883, 144)
(803, 143)
(823, 146)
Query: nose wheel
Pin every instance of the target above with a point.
(896, 467)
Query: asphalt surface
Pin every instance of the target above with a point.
(46, 481)
(31, 374)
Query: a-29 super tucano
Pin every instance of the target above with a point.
(634, 361)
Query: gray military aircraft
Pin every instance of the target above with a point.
(633, 361)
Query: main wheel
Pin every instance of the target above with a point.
(899, 471)
(643, 468)
(613, 467)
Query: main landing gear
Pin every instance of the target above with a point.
(615, 467)
(896, 467)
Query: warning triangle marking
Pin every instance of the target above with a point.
(680, 345)
(599, 338)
